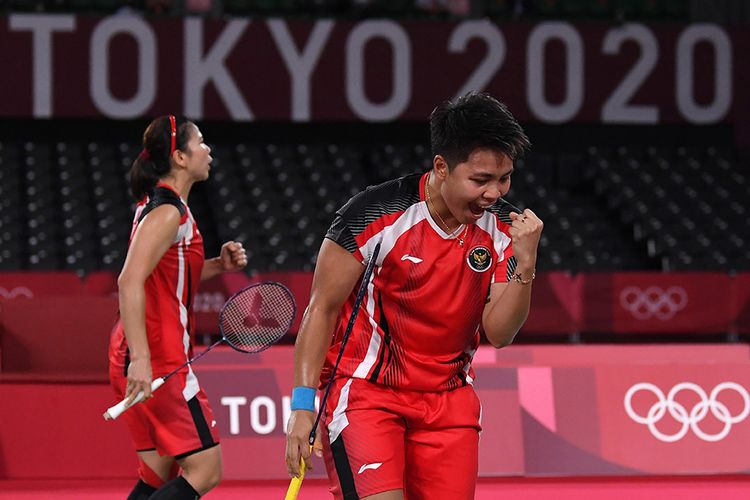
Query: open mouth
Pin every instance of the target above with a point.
(476, 209)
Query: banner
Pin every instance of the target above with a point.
(56, 337)
(636, 410)
(561, 304)
(29, 285)
(592, 417)
(577, 355)
(741, 306)
(556, 307)
(656, 303)
(372, 70)
(665, 419)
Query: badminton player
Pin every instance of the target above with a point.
(402, 418)
(157, 286)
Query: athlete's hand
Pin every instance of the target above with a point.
(318, 445)
(139, 379)
(297, 445)
(525, 230)
(232, 256)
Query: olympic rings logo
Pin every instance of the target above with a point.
(689, 420)
(19, 291)
(653, 301)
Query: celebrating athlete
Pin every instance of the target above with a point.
(402, 418)
(153, 337)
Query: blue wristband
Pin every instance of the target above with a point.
(303, 398)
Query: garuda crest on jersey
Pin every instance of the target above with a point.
(479, 259)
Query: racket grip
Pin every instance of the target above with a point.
(116, 410)
(296, 483)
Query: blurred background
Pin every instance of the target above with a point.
(638, 115)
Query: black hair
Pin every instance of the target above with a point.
(153, 162)
(475, 120)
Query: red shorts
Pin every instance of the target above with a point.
(380, 439)
(167, 422)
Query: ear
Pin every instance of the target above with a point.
(440, 165)
(179, 158)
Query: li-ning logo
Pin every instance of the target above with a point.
(374, 466)
(689, 420)
(411, 258)
(653, 301)
(19, 291)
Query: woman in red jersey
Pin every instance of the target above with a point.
(402, 419)
(157, 286)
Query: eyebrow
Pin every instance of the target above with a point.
(487, 175)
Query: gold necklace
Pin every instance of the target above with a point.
(460, 238)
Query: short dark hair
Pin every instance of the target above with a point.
(475, 120)
(153, 162)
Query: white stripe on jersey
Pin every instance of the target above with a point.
(375, 340)
(180, 290)
(339, 420)
(139, 209)
(185, 233)
(388, 236)
(488, 223)
(467, 366)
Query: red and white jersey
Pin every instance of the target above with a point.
(170, 290)
(418, 327)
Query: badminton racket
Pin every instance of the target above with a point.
(296, 483)
(251, 321)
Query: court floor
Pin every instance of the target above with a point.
(620, 488)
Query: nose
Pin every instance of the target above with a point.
(492, 193)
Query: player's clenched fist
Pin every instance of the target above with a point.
(233, 256)
(525, 230)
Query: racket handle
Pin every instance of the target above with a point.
(296, 483)
(116, 410)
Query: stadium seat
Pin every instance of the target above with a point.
(66, 205)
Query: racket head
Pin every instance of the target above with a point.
(256, 317)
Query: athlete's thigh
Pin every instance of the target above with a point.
(363, 441)
(441, 464)
(203, 469)
(136, 420)
(156, 469)
(181, 427)
(442, 447)
(208, 459)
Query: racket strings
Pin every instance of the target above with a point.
(257, 317)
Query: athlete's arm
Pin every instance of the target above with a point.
(508, 303)
(506, 311)
(153, 237)
(231, 258)
(336, 273)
